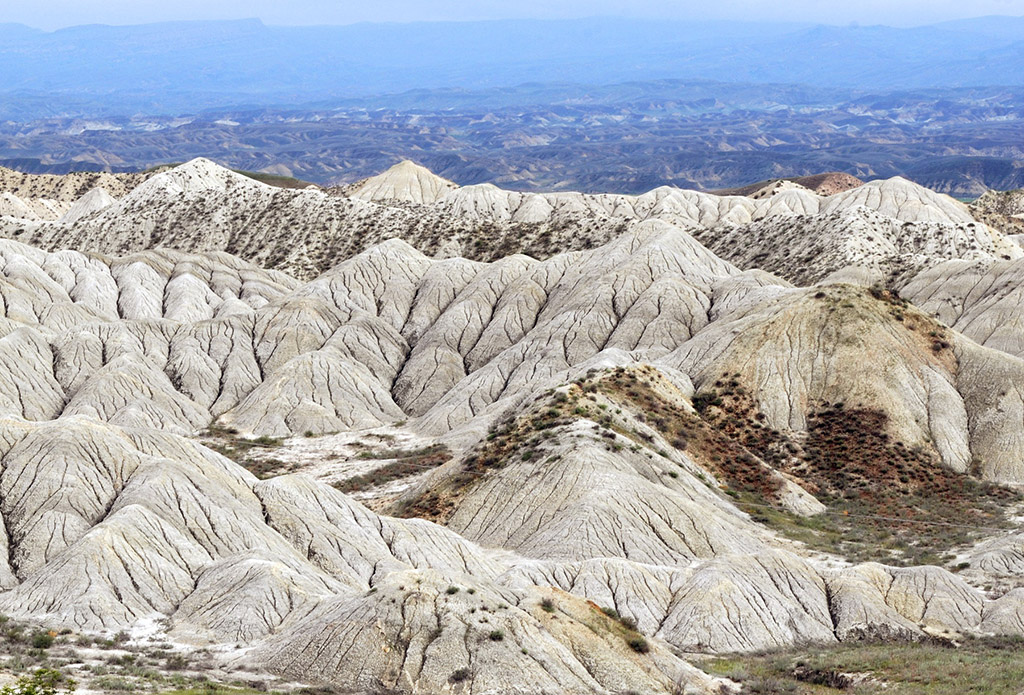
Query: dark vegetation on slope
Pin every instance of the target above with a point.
(846, 460)
(886, 501)
(248, 453)
(406, 464)
(515, 439)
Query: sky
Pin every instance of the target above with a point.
(53, 14)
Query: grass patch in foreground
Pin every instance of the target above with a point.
(986, 666)
(212, 689)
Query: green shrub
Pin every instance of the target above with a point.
(176, 662)
(42, 640)
(703, 401)
(115, 683)
(497, 635)
(639, 645)
(44, 681)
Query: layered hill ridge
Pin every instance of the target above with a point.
(67, 188)
(888, 226)
(823, 184)
(637, 419)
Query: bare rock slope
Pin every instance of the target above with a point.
(613, 418)
(406, 181)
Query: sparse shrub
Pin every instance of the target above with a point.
(496, 635)
(706, 399)
(114, 683)
(826, 677)
(42, 640)
(451, 590)
(639, 645)
(176, 662)
(547, 605)
(44, 681)
(459, 675)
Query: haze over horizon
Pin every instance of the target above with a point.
(57, 14)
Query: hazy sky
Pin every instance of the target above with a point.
(51, 14)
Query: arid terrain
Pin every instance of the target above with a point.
(407, 436)
(625, 138)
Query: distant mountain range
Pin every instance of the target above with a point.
(185, 66)
(628, 137)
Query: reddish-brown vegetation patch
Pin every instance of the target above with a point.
(726, 436)
(405, 465)
(886, 501)
(514, 439)
(898, 496)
